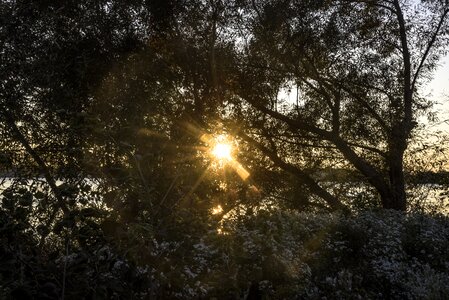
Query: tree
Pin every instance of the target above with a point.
(356, 68)
(102, 108)
(95, 99)
(108, 92)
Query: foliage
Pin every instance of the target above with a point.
(108, 189)
(354, 72)
(274, 253)
(373, 255)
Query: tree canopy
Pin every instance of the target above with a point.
(110, 111)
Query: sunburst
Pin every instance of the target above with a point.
(222, 151)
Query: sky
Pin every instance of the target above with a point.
(439, 89)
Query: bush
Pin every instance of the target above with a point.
(373, 255)
(271, 254)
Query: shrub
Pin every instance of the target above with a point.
(273, 254)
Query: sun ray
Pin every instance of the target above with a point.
(195, 185)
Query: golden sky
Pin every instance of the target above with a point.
(439, 89)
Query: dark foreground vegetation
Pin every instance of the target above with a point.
(271, 255)
(241, 149)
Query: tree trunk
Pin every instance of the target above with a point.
(397, 183)
(397, 199)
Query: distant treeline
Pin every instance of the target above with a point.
(344, 175)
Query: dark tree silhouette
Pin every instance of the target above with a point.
(356, 69)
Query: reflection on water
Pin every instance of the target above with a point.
(426, 197)
(83, 192)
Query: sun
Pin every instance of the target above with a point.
(222, 151)
(221, 148)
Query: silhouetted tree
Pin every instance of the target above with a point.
(355, 70)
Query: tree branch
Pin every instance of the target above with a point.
(407, 73)
(372, 175)
(366, 105)
(429, 47)
(314, 187)
(42, 166)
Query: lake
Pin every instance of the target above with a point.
(431, 197)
